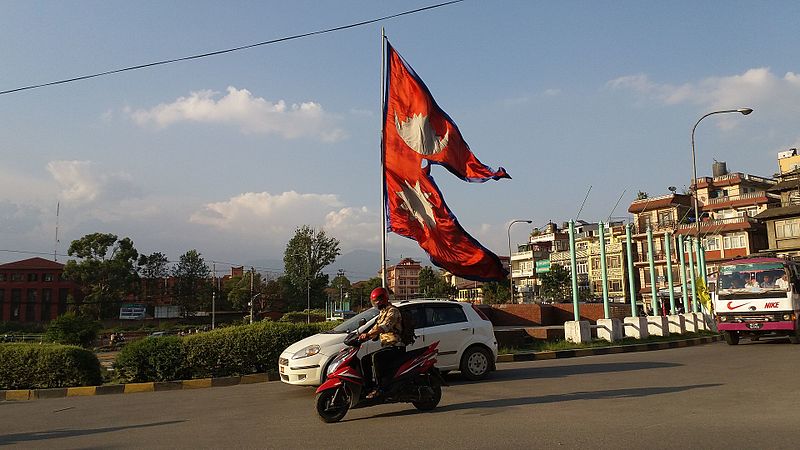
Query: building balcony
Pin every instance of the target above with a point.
(522, 256)
(733, 198)
(522, 273)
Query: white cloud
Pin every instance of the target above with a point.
(262, 212)
(84, 182)
(758, 86)
(354, 227)
(251, 114)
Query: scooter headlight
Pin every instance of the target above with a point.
(305, 352)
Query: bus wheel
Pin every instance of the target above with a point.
(731, 337)
(794, 338)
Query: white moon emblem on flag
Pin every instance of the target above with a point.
(419, 135)
(416, 203)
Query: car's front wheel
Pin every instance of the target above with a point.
(475, 363)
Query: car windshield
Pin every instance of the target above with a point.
(352, 323)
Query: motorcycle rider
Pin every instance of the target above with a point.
(388, 328)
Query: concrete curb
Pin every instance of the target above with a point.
(538, 356)
(133, 388)
(201, 383)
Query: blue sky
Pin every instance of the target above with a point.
(228, 154)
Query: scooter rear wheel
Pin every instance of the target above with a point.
(430, 403)
(328, 412)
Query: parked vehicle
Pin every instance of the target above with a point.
(466, 341)
(758, 297)
(415, 381)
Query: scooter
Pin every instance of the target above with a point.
(416, 381)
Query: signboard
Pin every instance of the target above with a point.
(542, 266)
(132, 312)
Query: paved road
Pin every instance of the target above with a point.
(711, 396)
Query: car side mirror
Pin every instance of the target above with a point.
(361, 322)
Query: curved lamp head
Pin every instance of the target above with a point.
(745, 111)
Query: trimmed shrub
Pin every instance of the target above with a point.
(302, 317)
(151, 359)
(40, 366)
(229, 351)
(71, 329)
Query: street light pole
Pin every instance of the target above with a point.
(510, 266)
(743, 111)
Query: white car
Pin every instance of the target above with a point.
(466, 341)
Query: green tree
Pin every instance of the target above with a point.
(152, 268)
(106, 272)
(72, 329)
(432, 284)
(240, 291)
(495, 292)
(307, 253)
(556, 284)
(192, 288)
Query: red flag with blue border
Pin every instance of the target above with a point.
(416, 134)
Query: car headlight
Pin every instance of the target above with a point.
(305, 352)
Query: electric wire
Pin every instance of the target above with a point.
(231, 50)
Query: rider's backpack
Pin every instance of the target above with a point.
(407, 336)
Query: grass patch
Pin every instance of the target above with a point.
(554, 346)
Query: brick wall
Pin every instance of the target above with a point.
(553, 314)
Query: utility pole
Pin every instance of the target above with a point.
(252, 273)
(214, 296)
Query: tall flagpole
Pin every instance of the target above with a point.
(383, 162)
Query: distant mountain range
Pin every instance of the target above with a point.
(358, 265)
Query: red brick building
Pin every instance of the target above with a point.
(32, 290)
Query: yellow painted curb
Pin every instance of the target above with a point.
(546, 355)
(197, 384)
(81, 391)
(19, 394)
(132, 388)
(505, 358)
(254, 378)
(585, 352)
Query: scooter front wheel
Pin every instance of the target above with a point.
(430, 402)
(332, 405)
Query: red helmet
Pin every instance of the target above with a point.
(379, 296)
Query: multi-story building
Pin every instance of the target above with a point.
(528, 260)
(403, 278)
(661, 215)
(32, 290)
(783, 220)
(585, 234)
(616, 267)
(730, 203)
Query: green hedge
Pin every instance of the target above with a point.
(39, 366)
(236, 350)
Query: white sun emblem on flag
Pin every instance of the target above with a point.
(416, 203)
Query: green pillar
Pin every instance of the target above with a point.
(668, 250)
(604, 270)
(631, 270)
(703, 264)
(651, 259)
(573, 261)
(692, 275)
(682, 259)
(699, 258)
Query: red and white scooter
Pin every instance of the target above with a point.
(416, 381)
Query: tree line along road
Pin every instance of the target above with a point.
(709, 396)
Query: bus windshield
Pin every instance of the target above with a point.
(752, 278)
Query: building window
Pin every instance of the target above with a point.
(785, 229)
(613, 262)
(30, 305)
(47, 299)
(711, 243)
(47, 277)
(63, 295)
(16, 300)
(16, 277)
(33, 276)
(734, 241)
(2, 277)
(665, 218)
(2, 302)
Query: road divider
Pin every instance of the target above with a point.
(201, 383)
